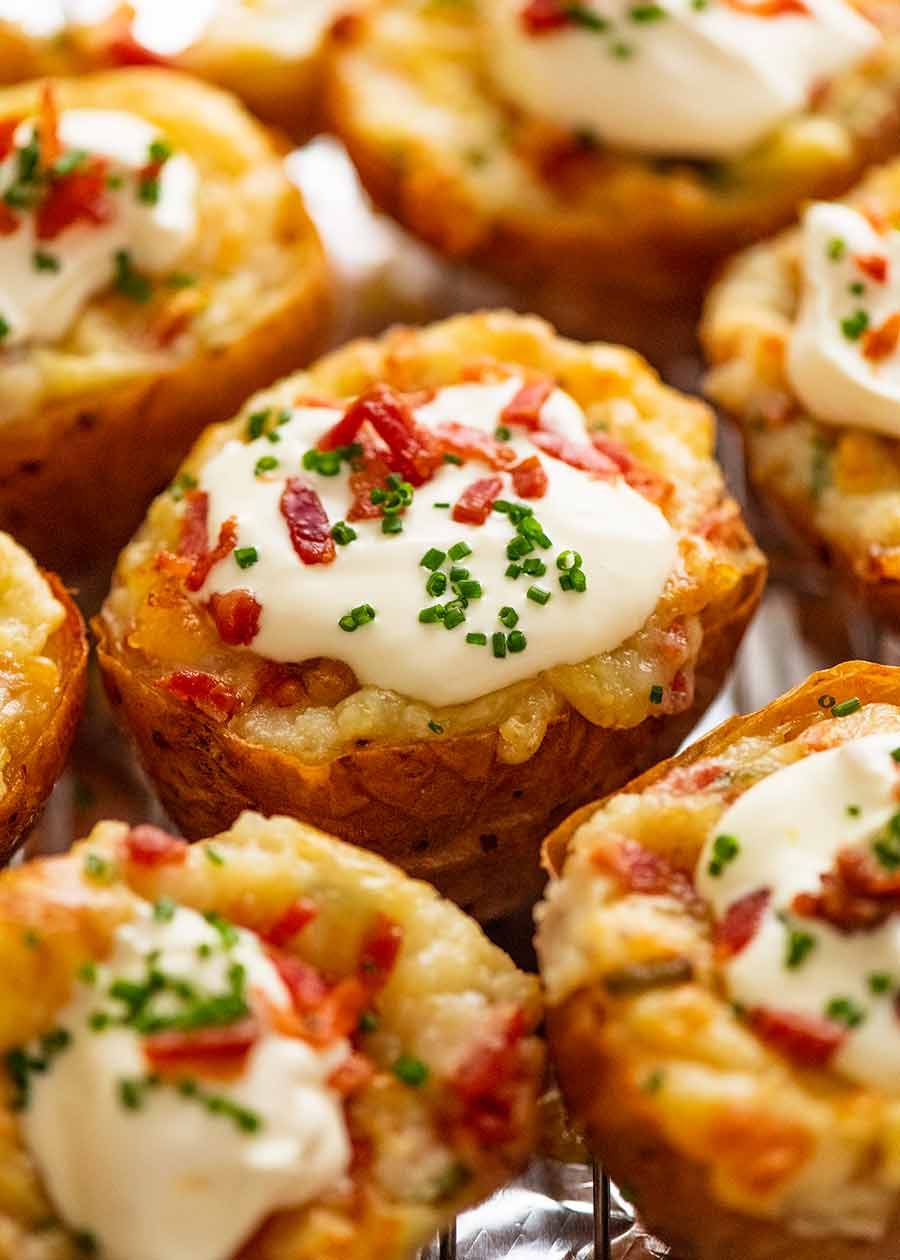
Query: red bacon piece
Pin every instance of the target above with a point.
(78, 197)
(686, 779)
(151, 846)
(368, 473)
(236, 614)
(9, 222)
(641, 478)
(213, 698)
(307, 522)
(208, 1051)
(640, 870)
(459, 439)
(194, 541)
(486, 1084)
(856, 896)
(291, 922)
(412, 451)
(525, 407)
(770, 8)
(303, 982)
(576, 454)
(530, 480)
(476, 502)
(881, 342)
(741, 923)
(875, 266)
(352, 1076)
(379, 952)
(542, 17)
(121, 46)
(8, 129)
(806, 1039)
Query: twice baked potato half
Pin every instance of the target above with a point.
(632, 146)
(718, 946)
(156, 265)
(802, 337)
(430, 593)
(268, 52)
(43, 663)
(271, 1044)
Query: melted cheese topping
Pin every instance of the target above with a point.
(844, 353)
(162, 1170)
(44, 283)
(626, 546)
(788, 830)
(673, 77)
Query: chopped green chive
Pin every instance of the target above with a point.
(502, 433)
(428, 616)
(96, 867)
(477, 638)
(656, 694)
(436, 584)
(646, 13)
(836, 248)
(513, 570)
(432, 559)
(164, 910)
(45, 262)
(368, 1022)
(654, 1082)
(725, 850)
(516, 641)
(436, 727)
(458, 573)
(440, 505)
(854, 811)
(853, 326)
(128, 281)
(573, 580)
(343, 534)
(895, 753)
(857, 288)
(391, 525)
(879, 982)
(325, 463)
(5, 328)
(799, 946)
(356, 617)
(256, 423)
(459, 551)
(245, 557)
(538, 594)
(469, 588)
(181, 485)
(843, 1010)
(534, 567)
(454, 615)
(266, 463)
(498, 645)
(508, 617)
(451, 459)
(846, 707)
(410, 1071)
(213, 856)
(87, 973)
(567, 560)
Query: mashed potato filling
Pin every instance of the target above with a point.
(151, 1153)
(705, 79)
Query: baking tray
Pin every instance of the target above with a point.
(556, 1210)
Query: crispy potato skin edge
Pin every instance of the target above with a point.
(672, 1192)
(35, 776)
(447, 811)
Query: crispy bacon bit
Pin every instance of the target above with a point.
(576, 454)
(806, 1039)
(367, 474)
(686, 779)
(875, 266)
(194, 540)
(307, 522)
(881, 342)
(303, 982)
(80, 196)
(9, 222)
(151, 846)
(741, 923)
(541, 17)
(213, 698)
(486, 1085)
(476, 502)
(236, 614)
(118, 42)
(856, 896)
(291, 922)
(640, 870)
(208, 1051)
(8, 129)
(282, 685)
(641, 478)
(770, 8)
(876, 217)
(530, 480)
(379, 952)
(412, 451)
(352, 1076)
(459, 439)
(525, 407)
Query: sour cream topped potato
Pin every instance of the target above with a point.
(270, 1044)
(268, 52)
(155, 266)
(610, 141)
(803, 335)
(720, 950)
(428, 591)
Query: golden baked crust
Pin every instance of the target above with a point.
(409, 94)
(118, 401)
(267, 53)
(448, 997)
(455, 806)
(43, 662)
(731, 1151)
(839, 487)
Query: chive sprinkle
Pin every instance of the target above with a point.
(508, 617)
(498, 645)
(459, 551)
(516, 641)
(343, 534)
(246, 557)
(477, 638)
(538, 594)
(846, 707)
(725, 850)
(656, 694)
(265, 463)
(433, 559)
(410, 1071)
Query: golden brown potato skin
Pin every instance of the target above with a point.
(77, 471)
(30, 781)
(672, 1192)
(449, 812)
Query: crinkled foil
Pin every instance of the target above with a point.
(556, 1211)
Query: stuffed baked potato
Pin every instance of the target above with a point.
(632, 146)
(268, 52)
(801, 335)
(43, 660)
(400, 596)
(718, 949)
(270, 1044)
(157, 265)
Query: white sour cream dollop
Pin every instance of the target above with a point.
(627, 547)
(790, 828)
(830, 362)
(38, 303)
(169, 1177)
(674, 78)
